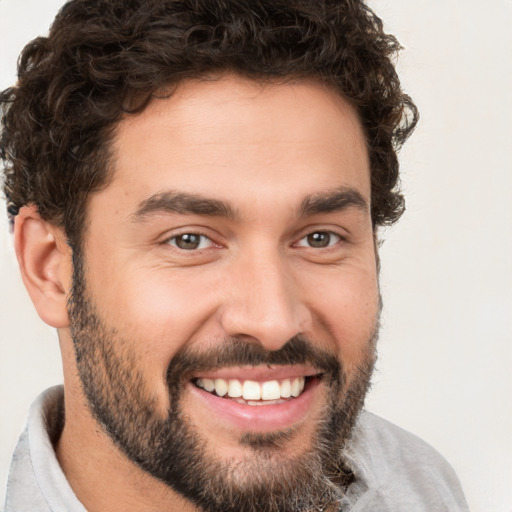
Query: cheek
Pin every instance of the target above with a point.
(347, 307)
(158, 310)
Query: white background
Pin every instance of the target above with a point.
(446, 347)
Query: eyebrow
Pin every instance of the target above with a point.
(338, 200)
(182, 203)
(194, 204)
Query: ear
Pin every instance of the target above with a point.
(45, 262)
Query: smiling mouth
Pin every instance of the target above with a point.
(251, 392)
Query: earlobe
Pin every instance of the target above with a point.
(44, 258)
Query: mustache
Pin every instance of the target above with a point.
(242, 352)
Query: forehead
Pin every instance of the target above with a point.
(234, 138)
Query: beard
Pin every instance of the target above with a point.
(175, 452)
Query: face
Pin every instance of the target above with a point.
(225, 300)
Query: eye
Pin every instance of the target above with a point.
(190, 242)
(319, 240)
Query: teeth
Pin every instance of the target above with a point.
(286, 388)
(221, 387)
(254, 391)
(251, 390)
(208, 384)
(270, 390)
(235, 388)
(295, 387)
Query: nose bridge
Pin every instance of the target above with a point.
(263, 301)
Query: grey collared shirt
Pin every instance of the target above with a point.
(394, 470)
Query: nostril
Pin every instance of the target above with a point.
(264, 305)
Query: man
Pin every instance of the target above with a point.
(196, 189)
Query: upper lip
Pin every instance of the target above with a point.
(259, 373)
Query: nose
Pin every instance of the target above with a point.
(263, 302)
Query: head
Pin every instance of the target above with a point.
(212, 175)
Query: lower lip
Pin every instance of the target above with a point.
(260, 418)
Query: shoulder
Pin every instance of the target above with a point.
(400, 469)
(36, 481)
(386, 438)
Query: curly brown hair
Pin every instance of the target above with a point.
(104, 59)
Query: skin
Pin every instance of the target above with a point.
(263, 150)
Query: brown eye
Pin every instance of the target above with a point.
(319, 240)
(190, 241)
